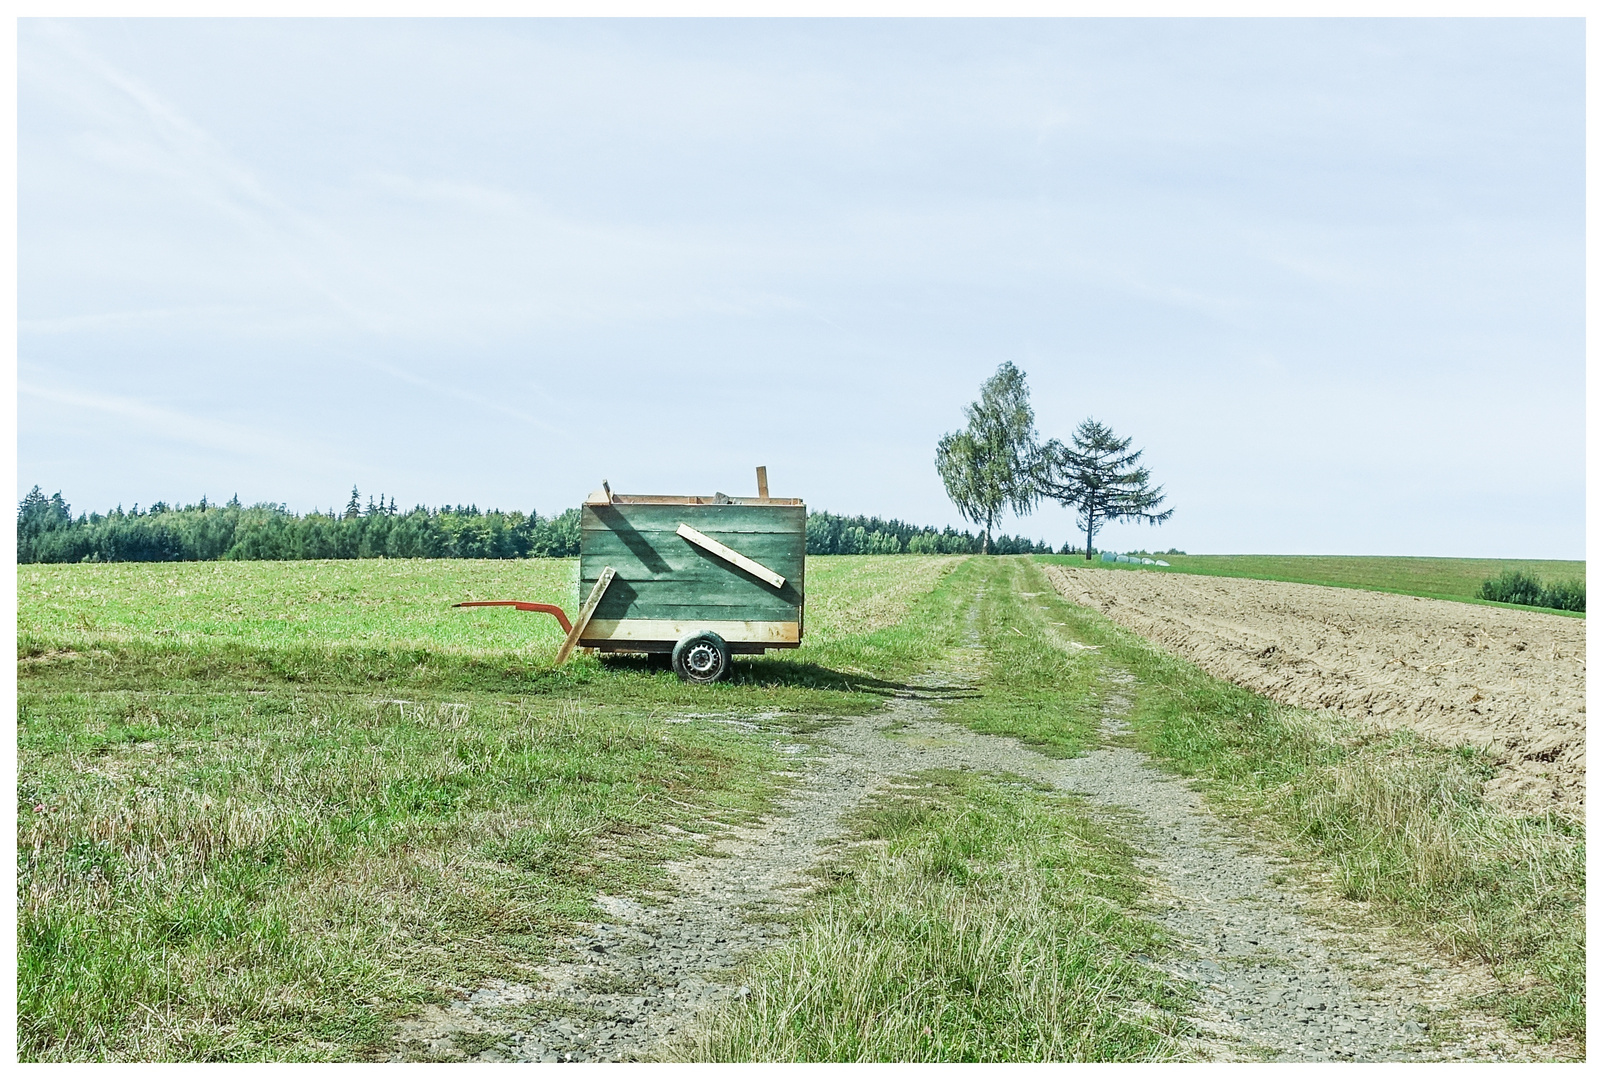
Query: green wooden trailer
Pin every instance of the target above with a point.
(696, 577)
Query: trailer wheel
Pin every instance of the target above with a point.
(701, 657)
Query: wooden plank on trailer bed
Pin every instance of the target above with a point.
(734, 631)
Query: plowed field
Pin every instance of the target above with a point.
(1512, 682)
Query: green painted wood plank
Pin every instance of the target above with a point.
(635, 560)
(726, 587)
(661, 551)
(656, 518)
(709, 576)
(775, 544)
(641, 556)
(696, 613)
(626, 599)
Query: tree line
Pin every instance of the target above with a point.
(47, 532)
(835, 534)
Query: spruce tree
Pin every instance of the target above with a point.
(1100, 477)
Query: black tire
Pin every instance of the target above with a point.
(701, 657)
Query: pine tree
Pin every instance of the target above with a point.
(353, 509)
(1099, 476)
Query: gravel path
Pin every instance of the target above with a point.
(1274, 981)
(629, 987)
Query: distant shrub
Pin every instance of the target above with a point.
(1518, 587)
(1565, 596)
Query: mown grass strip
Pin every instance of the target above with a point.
(1399, 818)
(1029, 686)
(985, 919)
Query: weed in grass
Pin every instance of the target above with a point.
(990, 923)
(1517, 587)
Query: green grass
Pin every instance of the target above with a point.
(979, 919)
(1033, 686)
(1398, 818)
(1440, 579)
(206, 878)
(267, 836)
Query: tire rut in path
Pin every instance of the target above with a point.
(1274, 980)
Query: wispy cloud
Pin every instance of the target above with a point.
(122, 320)
(208, 433)
(476, 400)
(170, 142)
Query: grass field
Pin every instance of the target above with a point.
(1441, 579)
(267, 809)
(360, 625)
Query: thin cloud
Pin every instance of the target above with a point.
(205, 432)
(475, 400)
(188, 151)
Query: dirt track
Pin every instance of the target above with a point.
(1513, 682)
(1275, 978)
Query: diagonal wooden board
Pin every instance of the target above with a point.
(729, 554)
(583, 618)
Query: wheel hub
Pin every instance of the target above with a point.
(701, 659)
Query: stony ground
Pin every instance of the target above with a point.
(1281, 974)
(1512, 682)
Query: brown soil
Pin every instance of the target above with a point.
(1512, 682)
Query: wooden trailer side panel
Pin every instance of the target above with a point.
(663, 581)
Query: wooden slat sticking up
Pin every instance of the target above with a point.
(583, 619)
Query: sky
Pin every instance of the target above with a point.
(1328, 274)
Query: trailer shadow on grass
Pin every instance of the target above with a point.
(777, 672)
(758, 671)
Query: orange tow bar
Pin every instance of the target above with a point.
(523, 605)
